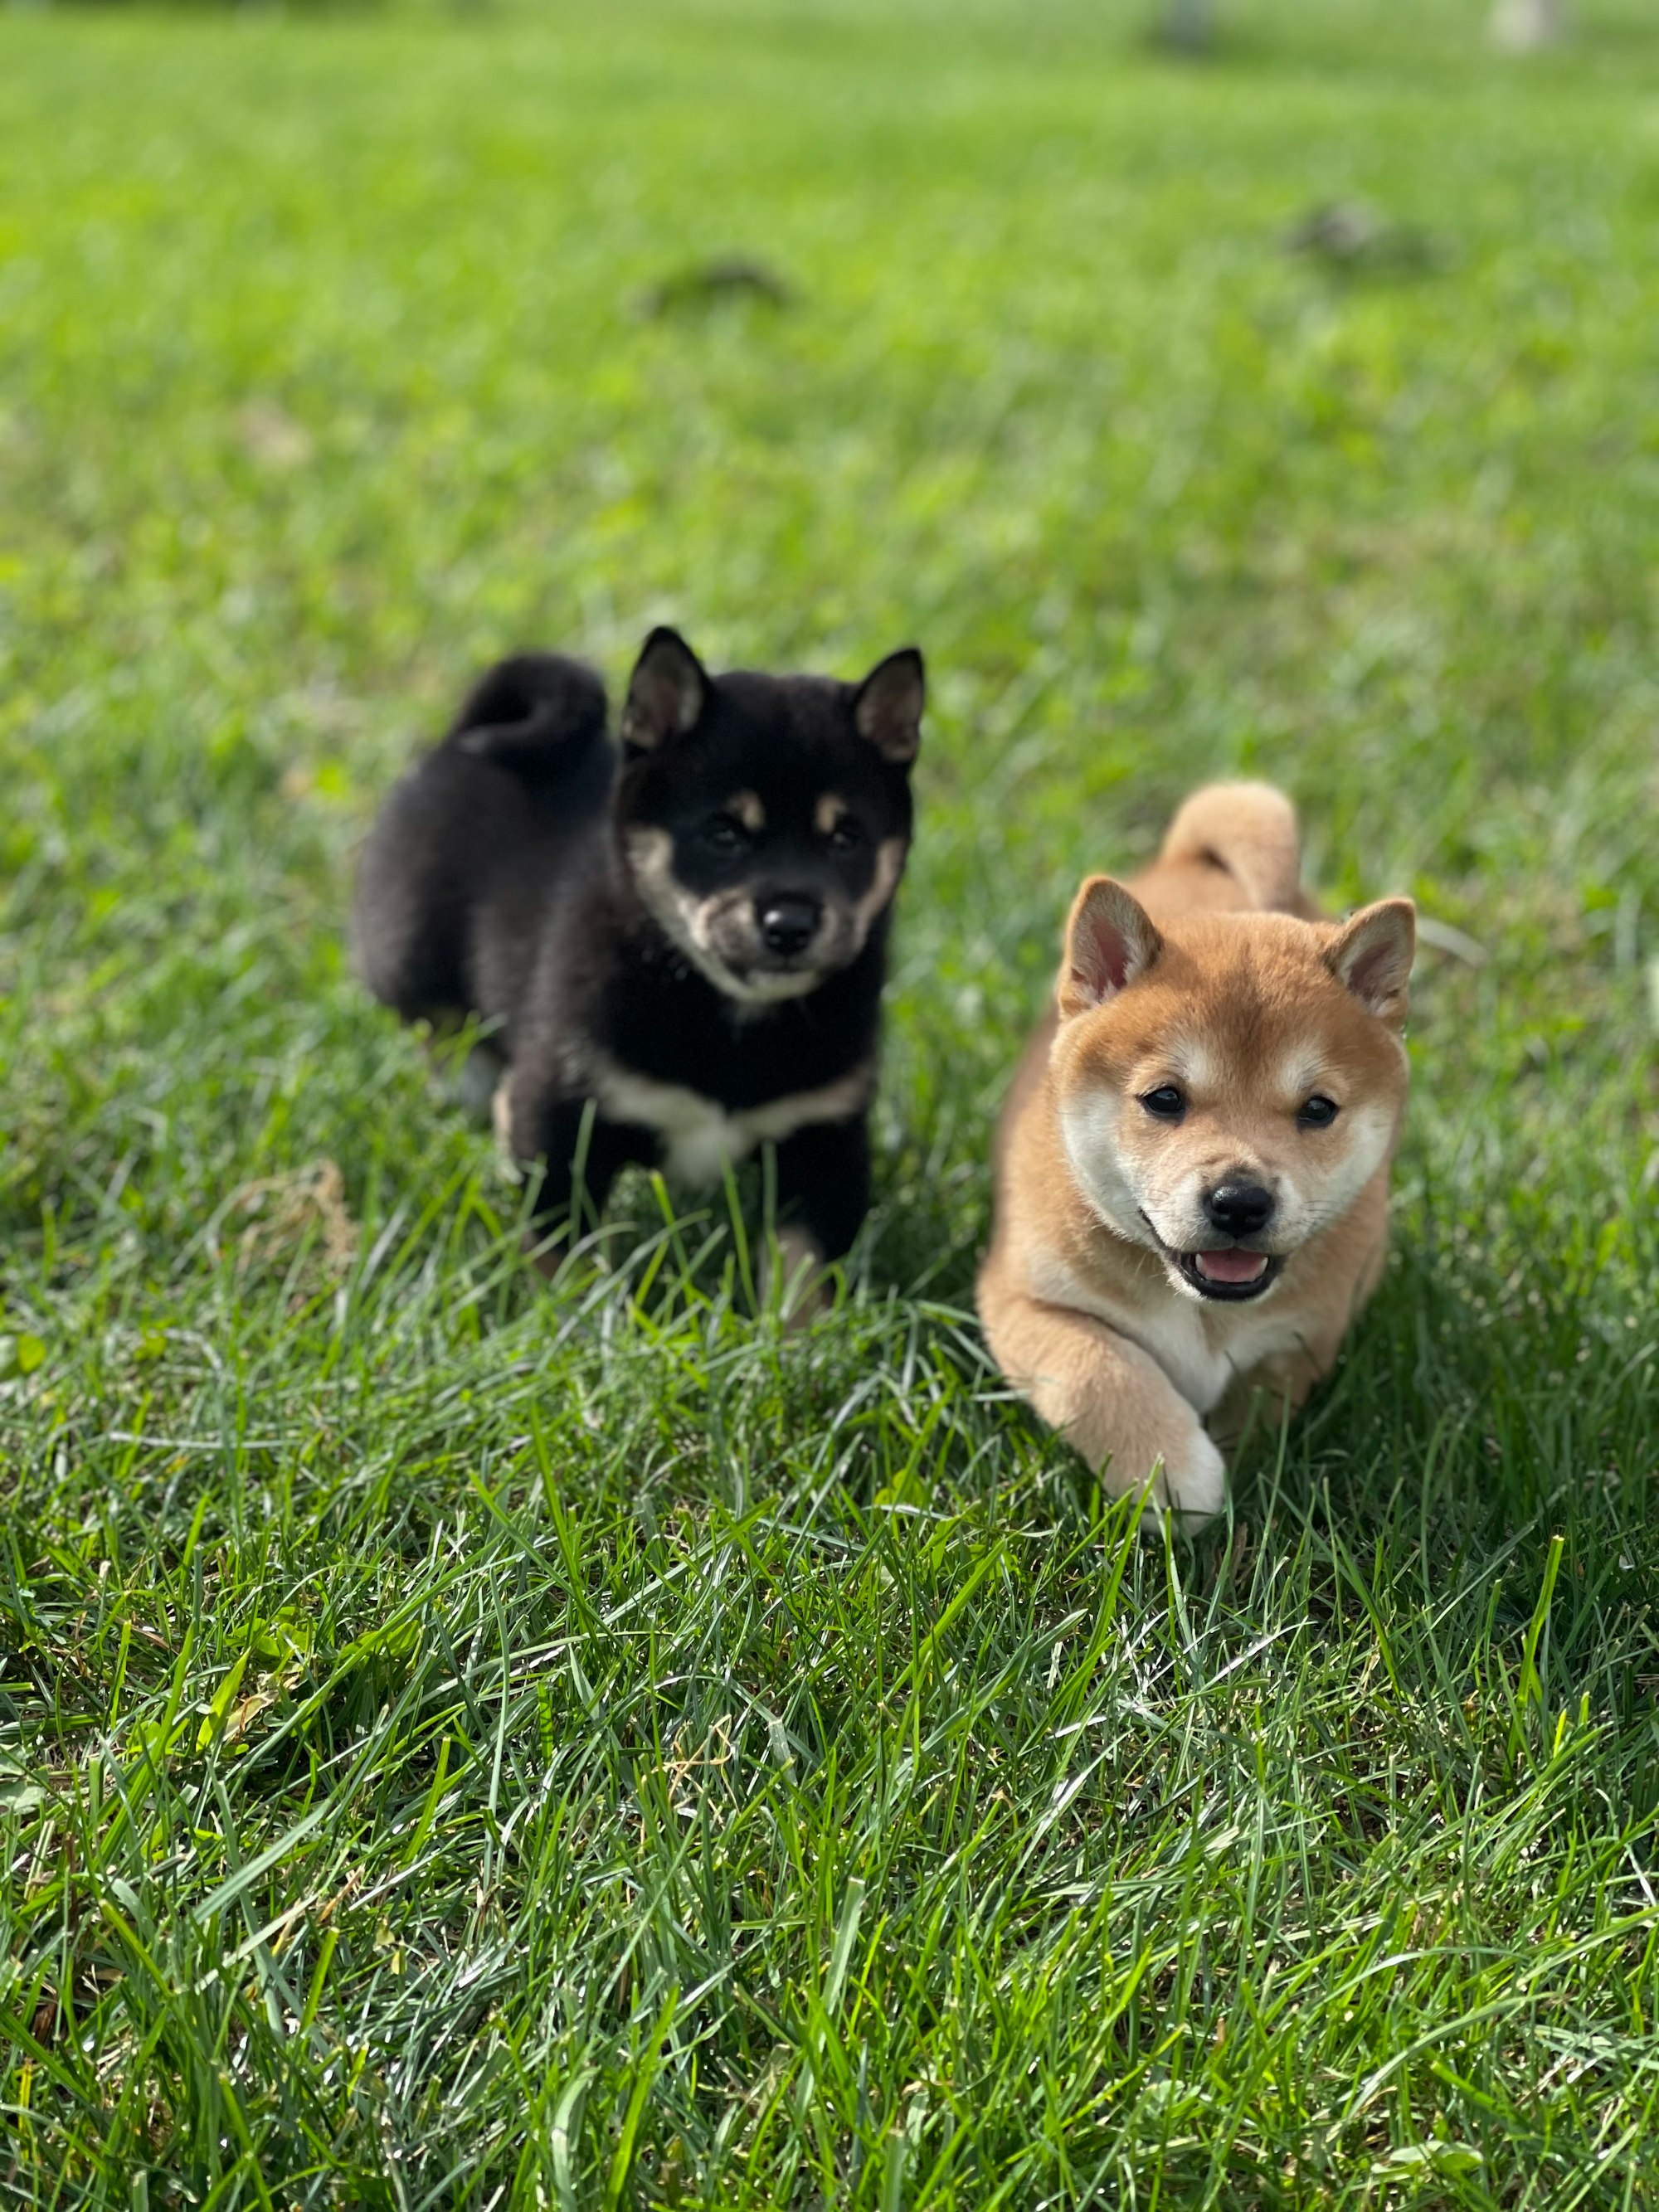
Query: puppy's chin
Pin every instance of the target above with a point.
(761, 987)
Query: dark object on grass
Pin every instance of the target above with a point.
(1188, 26)
(681, 941)
(711, 283)
(1347, 235)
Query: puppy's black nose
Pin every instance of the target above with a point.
(788, 923)
(1239, 1209)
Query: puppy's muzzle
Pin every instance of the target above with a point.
(1226, 1261)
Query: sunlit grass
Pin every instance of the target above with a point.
(467, 1742)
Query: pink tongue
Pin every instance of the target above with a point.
(1232, 1267)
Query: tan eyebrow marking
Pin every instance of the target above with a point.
(829, 812)
(1194, 1063)
(1299, 1074)
(747, 810)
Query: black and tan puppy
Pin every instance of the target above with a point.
(687, 935)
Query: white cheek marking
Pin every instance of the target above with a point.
(1310, 1198)
(688, 922)
(1370, 1130)
(1308, 1201)
(650, 855)
(1088, 1128)
(700, 1138)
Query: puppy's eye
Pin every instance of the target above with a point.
(846, 835)
(725, 831)
(1166, 1102)
(1317, 1112)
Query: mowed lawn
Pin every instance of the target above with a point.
(464, 1742)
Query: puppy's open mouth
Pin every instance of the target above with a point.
(1227, 1273)
(1230, 1276)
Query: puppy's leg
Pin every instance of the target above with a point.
(792, 1277)
(472, 1080)
(565, 1136)
(824, 1194)
(1109, 1399)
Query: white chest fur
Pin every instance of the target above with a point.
(1202, 1349)
(702, 1138)
(1199, 1348)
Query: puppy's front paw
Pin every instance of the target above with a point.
(791, 1278)
(1173, 1464)
(1111, 1400)
(1192, 1481)
(501, 1122)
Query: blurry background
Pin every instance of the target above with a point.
(1287, 407)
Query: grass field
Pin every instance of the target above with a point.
(467, 1744)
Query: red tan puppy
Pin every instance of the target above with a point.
(1192, 1169)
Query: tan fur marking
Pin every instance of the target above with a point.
(889, 866)
(748, 811)
(689, 923)
(829, 810)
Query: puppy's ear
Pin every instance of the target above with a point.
(1109, 941)
(1372, 955)
(888, 708)
(666, 693)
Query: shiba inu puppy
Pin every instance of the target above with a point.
(681, 941)
(1192, 1169)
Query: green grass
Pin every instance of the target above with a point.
(463, 1743)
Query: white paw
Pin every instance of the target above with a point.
(1192, 1482)
(791, 1278)
(500, 1121)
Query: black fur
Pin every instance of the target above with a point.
(531, 873)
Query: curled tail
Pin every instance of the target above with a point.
(1248, 830)
(537, 714)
